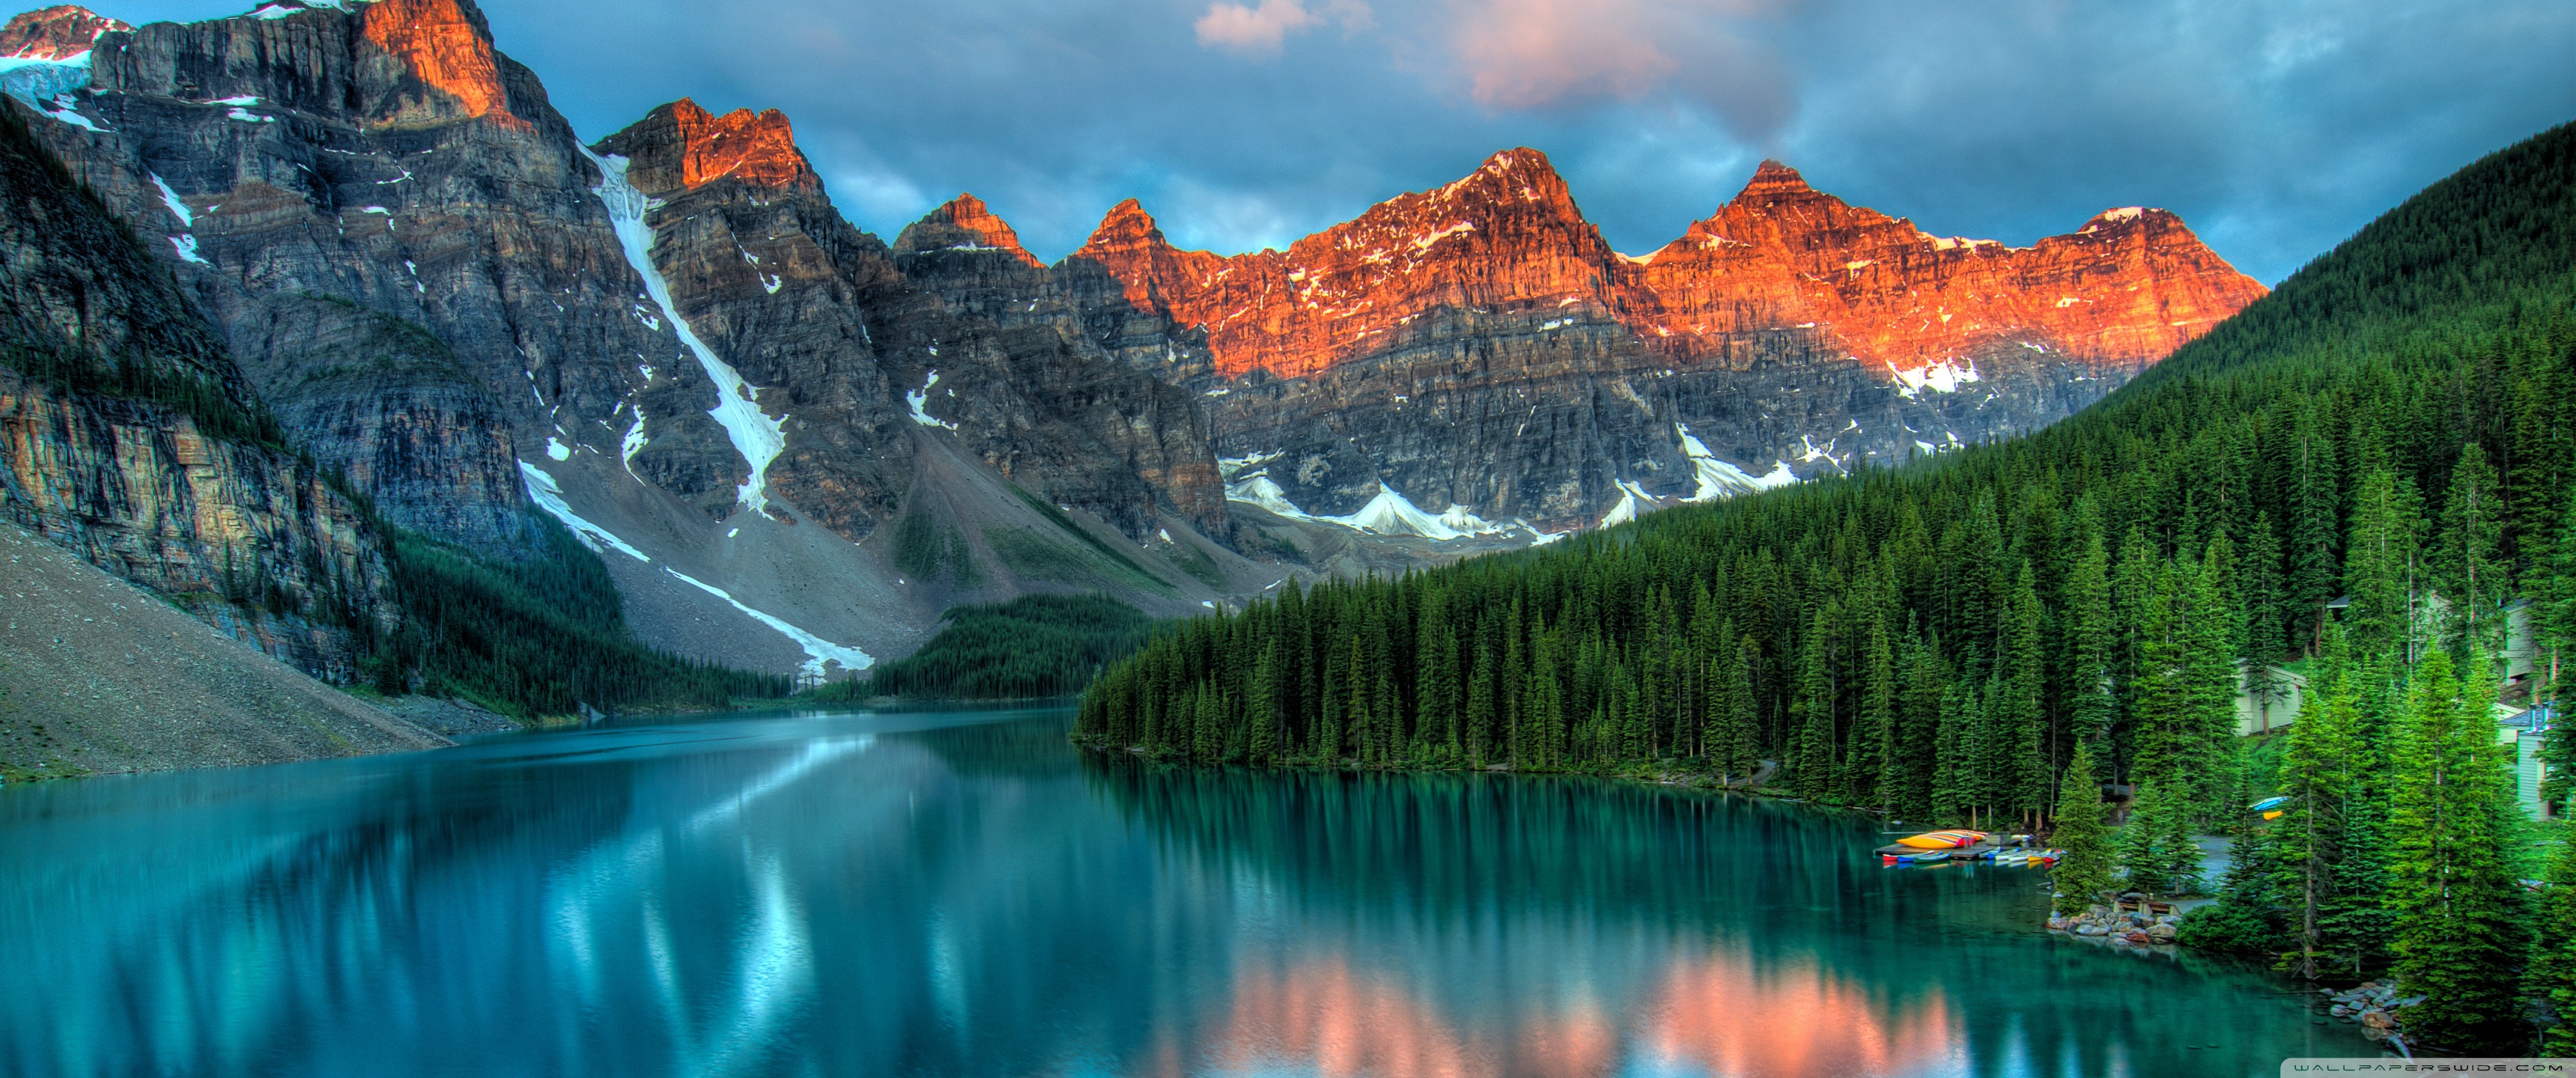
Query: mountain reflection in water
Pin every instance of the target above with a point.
(966, 894)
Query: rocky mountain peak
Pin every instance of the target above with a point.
(1772, 179)
(1125, 225)
(1519, 174)
(2143, 218)
(448, 48)
(963, 223)
(55, 33)
(681, 146)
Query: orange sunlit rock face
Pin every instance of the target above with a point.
(448, 49)
(966, 221)
(682, 147)
(1728, 1018)
(1717, 1014)
(54, 33)
(1505, 235)
(2126, 290)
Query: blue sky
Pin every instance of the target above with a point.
(2275, 128)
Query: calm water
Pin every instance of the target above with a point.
(966, 894)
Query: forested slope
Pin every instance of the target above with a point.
(1938, 638)
(2368, 467)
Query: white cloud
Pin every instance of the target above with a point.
(1259, 31)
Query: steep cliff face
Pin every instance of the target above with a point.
(1479, 347)
(385, 404)
(128, 436)
(858, 347)
(678, 348)
(385, 155)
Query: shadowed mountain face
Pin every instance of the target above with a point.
(675, 344)
(766, 417)
(125, 438)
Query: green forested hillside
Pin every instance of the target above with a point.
(2391, 425)
(543, 634)
(1031, 646)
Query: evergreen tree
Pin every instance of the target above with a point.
(2090, 633)
(2314, 496)
(2553, 956)
(2259, 579)
(2468, 566)
(2156, 845)
(2458, 908)
(2022, 767)
(1814, 712)
(2317, 774)
(1732, 724)
(2083, 870)
(1260, 714)
(1868, 763)
(2380, 568)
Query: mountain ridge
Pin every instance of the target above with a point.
(673, 342)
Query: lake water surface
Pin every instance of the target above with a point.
(968, 894)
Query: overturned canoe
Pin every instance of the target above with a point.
(1943, 840)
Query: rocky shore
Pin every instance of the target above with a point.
(2124, 927)
(2373, 1005)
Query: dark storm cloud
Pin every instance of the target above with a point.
(2275, 128)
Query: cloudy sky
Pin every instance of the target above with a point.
(2275, 128)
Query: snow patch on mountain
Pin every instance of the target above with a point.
(1719, 479)
(36, 80)
(178, 207)
(549, 497)
(1944, 376)
(818, 651)
(755, 435)
(632, 444)
(920, 398)
(1389, 513)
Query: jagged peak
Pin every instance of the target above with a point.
(2131, 216)
(1771, 179)
(279, 9)
(1517, 173)
(1125, 224)
(964, 223)
(681, 146)
(54, 33)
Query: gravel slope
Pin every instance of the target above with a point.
(98, 676)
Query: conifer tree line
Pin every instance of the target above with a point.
(2367, 470)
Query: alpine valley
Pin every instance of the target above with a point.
(359, 308)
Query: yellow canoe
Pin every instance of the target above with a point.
(1943, 840)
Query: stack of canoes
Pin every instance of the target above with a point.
(1932, 847)
(1936, 847)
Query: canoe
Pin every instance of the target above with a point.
(1943, 840)
(2270, 803)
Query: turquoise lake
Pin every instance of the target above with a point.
(968, 894)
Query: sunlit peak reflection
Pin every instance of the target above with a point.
(1789, 1021)
(1322, 1016)
(1714, 1015)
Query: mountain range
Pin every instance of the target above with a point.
(795, 445)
